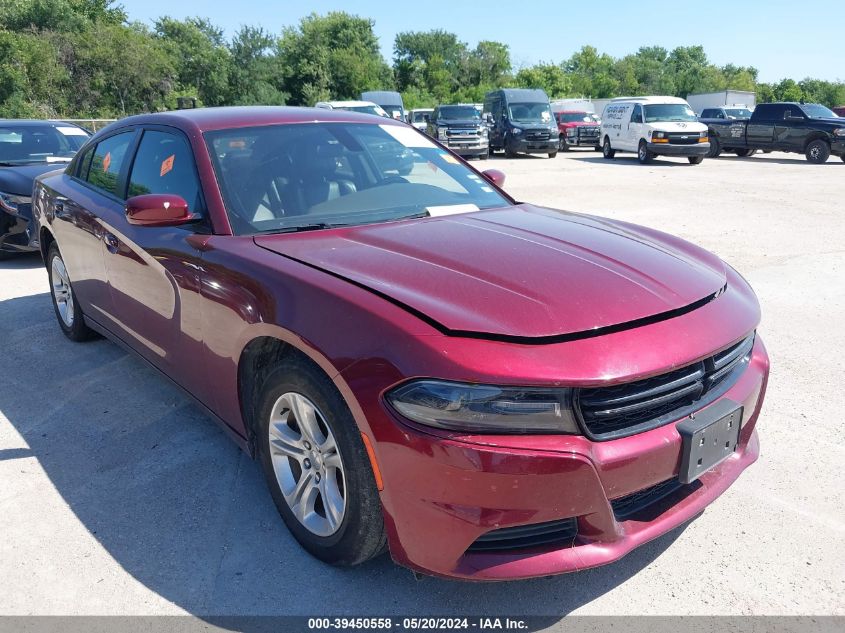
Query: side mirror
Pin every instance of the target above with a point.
(495, 176)
(158, 209)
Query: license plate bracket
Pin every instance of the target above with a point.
(708, 438)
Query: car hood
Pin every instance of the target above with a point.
(18, 179)
(580, 124)
(460, 123)
(515, 273)
(678, 126)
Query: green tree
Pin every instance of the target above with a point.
(202, 60)
(549, 77)
(255, 77)
(58, 15)
(335, 56)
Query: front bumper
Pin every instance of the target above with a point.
(522, 145)
(14, 232)
(468, 148)
(447, 493)
(837, 148)
(667, 149)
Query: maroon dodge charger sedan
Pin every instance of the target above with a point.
(485, 388)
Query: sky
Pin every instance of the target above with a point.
(780, 38)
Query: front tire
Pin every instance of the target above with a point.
(65, 304)
(818, 151)
(695, 160)
(607, 151)
(552, 154)
(643, 154)
(715, 148)
(317, 467)
(561, 143)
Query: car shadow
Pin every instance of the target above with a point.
(22, 261)
(833, 160)
(179, 507)
(630, 160)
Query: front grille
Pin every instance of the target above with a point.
(524, 536)
(589, 131)
(682, 138)
(463, 133)
(537, 135)
(620, 410)
(627, 506)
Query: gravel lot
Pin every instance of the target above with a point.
(119, 497)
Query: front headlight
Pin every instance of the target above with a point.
(839, 131)
(475, 408)
(441, 132)
(482, 131)
(9, 202)
(516, 131)
(571, 131)
(658, 135)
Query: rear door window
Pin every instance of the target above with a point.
(106, 165)
(164, 163)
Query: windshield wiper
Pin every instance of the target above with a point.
(297, 228)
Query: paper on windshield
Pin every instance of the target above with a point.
(408, 136)
(71, 131)
(450, 209)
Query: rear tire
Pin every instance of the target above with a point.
(309, 443)
(818, 151)
(552, 154)
(65, 303)
(695, 160)
(744, 152)
(607, 151)
(643, 154)
(715, 148)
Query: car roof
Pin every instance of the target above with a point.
(209, 119)
(350, 103)
(652, 99)
(34, 122)
(384, 96)
(573, 112)
(513, 93)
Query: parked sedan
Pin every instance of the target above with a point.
(487, 389)
(28, 149)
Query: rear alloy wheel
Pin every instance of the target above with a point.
(643, 155)
(65, 304)
(744, 152)
(818, 151)
(316, 466)
(606, 150)
(695, 160)
(715, 148)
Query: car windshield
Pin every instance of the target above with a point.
(578, 117)
(283, 178)
(530, 112)
(364, 109)
(669, 112)
(25, 144)
(818, 111)
(738, 113)
(421, 117)
(459, 113)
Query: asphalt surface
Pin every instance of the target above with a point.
(117, 496)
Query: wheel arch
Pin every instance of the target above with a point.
(260, 355)
(45, 238)
(816, 136)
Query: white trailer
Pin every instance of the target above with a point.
(574, 105)
(721, 99)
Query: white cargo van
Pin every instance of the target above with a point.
(653, 126)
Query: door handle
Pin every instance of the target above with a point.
(112, 244)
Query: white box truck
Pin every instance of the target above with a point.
(721, 99)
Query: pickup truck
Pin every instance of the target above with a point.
(578, 129)
(806, 128)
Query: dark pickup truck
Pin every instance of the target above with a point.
(806, 128)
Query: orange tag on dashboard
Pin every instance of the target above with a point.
(106, 162)
(167, 165)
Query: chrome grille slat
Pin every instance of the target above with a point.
(659, 388)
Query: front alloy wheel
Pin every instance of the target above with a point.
(307, 464)
(643, 155)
